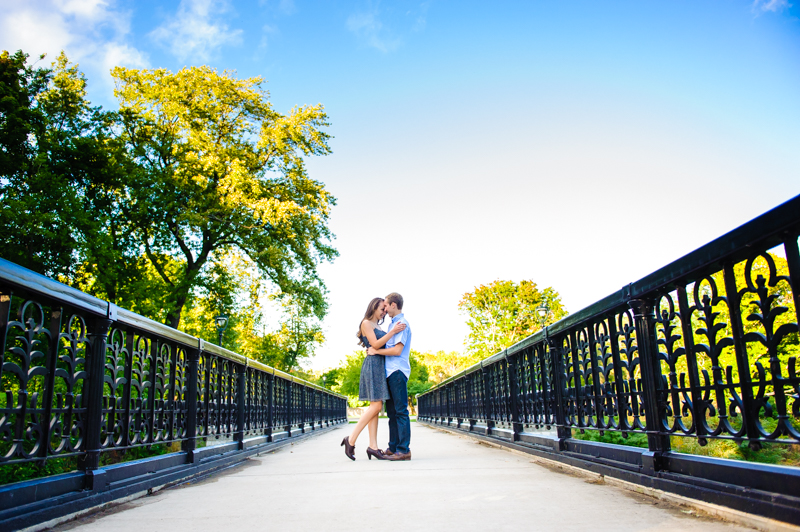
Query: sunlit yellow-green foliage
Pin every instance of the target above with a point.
(502, 313)
(191, 200)
(346, 377)
(444, 364)
(768, 317)
(221, 172)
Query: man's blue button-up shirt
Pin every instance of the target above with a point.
(401, 361)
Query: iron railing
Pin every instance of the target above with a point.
(81, 377)
(705, 348)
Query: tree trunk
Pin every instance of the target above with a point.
(174, 314)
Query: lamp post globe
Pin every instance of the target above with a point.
(543, 310)
(221, 323)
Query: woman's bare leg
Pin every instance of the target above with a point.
(373, 432)
(372, 411)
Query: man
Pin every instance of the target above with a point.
(398, 370)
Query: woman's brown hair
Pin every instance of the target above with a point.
(371, 308)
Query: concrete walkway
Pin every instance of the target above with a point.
(452, 483)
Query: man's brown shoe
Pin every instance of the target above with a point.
(396, 457)
(388, 452)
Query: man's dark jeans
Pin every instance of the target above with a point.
(397, 410)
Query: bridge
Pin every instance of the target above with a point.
(702, 350)
(451, 483)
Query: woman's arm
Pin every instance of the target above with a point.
(395, 350)
(367, 331)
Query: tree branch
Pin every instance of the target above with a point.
(154, 260)
(173, 228)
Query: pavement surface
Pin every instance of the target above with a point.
(451, 483)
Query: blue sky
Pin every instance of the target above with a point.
(579, 144)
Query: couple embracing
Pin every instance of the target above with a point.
(384, 377)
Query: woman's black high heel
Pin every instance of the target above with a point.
(349, 449)
(378, 454)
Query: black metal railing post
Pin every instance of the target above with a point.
(96, 360)
(448, 390)
(470, 401)
(313, 409)
(270, 405)
(563, 432)
(190, 443)
(657, 441)
(513, 390)
(241, 393)
(289, 400)
(545, 385)
(486, 400)
(457, 387)
(320, 411)
(302, 423)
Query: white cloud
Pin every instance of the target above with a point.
(421, 17)
(369, 29)
(85, 9)
(116, 54)
(266, 31)
(194, 31)
(287, 7)
(284, 7)
(35, 31)
(91, 32)
(770, 5)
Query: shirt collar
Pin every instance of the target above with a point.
(397, 317)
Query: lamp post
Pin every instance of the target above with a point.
(543, 310)
(222, 323)
(323, 382)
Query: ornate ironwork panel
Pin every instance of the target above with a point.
(706, 347)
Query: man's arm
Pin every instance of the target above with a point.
(393, 351)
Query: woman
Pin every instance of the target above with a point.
(372, 385)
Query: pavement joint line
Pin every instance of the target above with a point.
(361, 472)
(757, 522)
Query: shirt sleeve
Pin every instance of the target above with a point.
(399, 338)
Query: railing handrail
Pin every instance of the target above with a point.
(729, 246)
(30, 282)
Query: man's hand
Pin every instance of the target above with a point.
(372, 351)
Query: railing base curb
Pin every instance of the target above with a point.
(74, 505)
(761, 515)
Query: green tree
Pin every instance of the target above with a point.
(74, 201)
(299, 334)
(349, 374)
(442, 365)
(418, 381)
(504, 312)
(222, 173)
(348, 377)
(59, 164)
(330, 379)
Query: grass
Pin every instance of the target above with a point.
(771, 453)
(55, 466)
